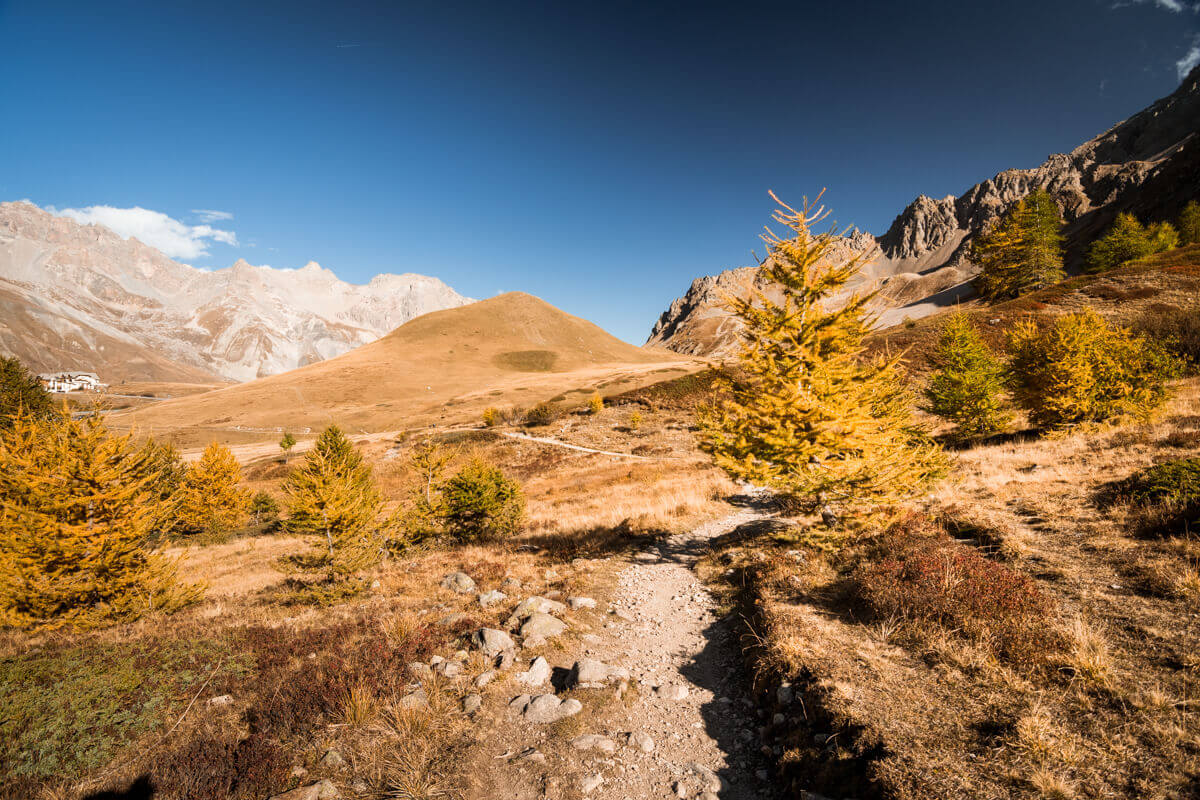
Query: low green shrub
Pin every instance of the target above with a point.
(1164, 499)
(540, 414)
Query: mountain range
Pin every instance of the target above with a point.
(1148, 165)
(81, 297)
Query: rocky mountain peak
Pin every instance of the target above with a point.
(82, 297)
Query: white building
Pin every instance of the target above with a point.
(72, 382)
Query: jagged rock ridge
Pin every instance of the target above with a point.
(1148, 164)
(82, 297)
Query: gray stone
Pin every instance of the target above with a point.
(534, 605)
(448, 669)
(484, 678)
(519, 703)
(534, 641)
(640, 741)
(591, 783)
(594, 741)
(590, 672)
(322, 790)
(546, 708)
(491, 598)
(472, 703)
(577, 603)
(492, 641)
(542, 624)
(712, 783)
(459, 582)
(506, 660)
(417, 699)
(537, 674)
(672, 692)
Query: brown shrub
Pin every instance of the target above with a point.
(931, 579)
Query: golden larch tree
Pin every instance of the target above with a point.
(807, 414)
(211, 499)
(78, 509)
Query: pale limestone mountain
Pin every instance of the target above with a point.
(1148, 164)
(79, 296)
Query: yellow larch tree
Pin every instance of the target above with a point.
(78, 509)
(807, 414)
(211, 499)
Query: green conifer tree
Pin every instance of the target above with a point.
(332, 498)
(286, 444)
(967, 385)
(1126, 240)
(20, 390)
(806, 414)
(1023, 251)
(1189, 224)
(77, 513)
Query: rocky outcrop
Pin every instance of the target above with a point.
(1149, 165)
(82, 297)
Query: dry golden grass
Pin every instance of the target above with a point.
(1113, 712)
(442, 368)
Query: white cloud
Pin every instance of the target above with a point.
(1190, 59)
(1174, 6)
(208, 215)
(174, 238)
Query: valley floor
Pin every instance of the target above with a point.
(748, 668)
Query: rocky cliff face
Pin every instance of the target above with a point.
(81, 297)
(1149, 165)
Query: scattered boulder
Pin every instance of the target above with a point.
(594, 741)
(577, 603)
(322, 790)
(591, 783)
(472, 703)
(542, 624)
(640, 741)
(589, 672)
(448, 669)
(545, 708)
(537, 674)
(673, 692)
(417, 699)
(492, 597)
(534, 641)
(710, 780)
(492, 641)
(534, 605)
(458, 582)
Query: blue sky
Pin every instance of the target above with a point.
(599, 155)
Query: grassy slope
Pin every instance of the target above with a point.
(1168, 280)
(446, 365)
